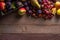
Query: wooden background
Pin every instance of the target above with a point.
(12, 24)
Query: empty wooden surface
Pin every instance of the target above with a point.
(29, 36)
(13, 24)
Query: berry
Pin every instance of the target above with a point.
(39, 11)
(25, 3)
(45, 3)
(27, 8)
(8, 5)
(40, 1)
(30, 11)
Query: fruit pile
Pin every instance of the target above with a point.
(40, 8)
(36, 8)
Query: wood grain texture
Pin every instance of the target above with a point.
(12, 24)
(29, 36)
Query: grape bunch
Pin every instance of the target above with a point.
(46, 8)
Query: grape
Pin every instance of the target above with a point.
(25, 3)
(27, 8)
(30, 11)
(8, 5)
(40, 1)
(39, 11)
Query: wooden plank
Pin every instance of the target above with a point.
(11, 24)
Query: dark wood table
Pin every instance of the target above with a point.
(13, 24)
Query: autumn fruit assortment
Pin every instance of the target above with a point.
(36, 8)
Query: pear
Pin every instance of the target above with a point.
(53, 11)
(35, 3)
(13, 5)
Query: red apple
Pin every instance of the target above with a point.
(21, 11)
(2, 5)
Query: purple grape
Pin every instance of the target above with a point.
(40, 1)
(39, 11)
(30, 11)
(25, 3)
(8, 5)
(27, 8)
